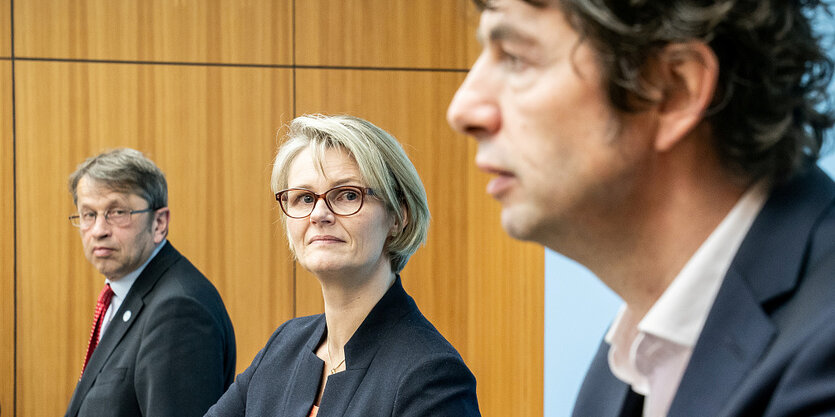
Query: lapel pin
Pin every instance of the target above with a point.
(126, 316)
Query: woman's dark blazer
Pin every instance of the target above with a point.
(397, 364)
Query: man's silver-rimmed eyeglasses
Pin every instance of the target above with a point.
(298, 203)
(115, 217)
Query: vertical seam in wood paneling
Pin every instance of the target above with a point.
(293, 62)
(14, 213)
(293, 49)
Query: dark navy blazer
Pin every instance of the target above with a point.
(768, 345)
(169, 350)
(397, 364)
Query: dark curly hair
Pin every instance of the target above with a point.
(771, 107)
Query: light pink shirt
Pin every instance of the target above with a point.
(651, 353)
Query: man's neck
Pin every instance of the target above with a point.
(643, 246)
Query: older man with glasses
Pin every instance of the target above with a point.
(161, 343)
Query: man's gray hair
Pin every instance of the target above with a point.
(124, 170)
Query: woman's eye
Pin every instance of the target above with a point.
(349, 195)
(301, 198)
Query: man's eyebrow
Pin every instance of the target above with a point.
(503, 32)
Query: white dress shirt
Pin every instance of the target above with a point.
(651, 353)
(121, 287)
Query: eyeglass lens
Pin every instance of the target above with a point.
(343, 201)
(113, 217)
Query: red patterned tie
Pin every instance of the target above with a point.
(101, 308)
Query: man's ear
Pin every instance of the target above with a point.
(685, 75)
(160, 227)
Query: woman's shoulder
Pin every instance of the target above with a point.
(303, 323)
(413, 336)
(415, 358)
(404, 329)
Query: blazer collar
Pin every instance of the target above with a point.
(363, 345)
(767, 265)
(783, 227)
(122, 321)
(602, 394)
(359, 352)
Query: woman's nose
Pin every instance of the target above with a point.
(321, 212)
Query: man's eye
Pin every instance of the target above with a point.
(118, 212)
(513, 62)
(88, 215)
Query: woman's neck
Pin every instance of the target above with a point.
(348, 300)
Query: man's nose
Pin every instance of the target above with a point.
(474, 109)
(100, 226)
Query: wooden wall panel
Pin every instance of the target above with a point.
(228, 31)
(5, 30)
(211, 129)
(7, 316)
(508, 311)
(481, 289)
(386, 33)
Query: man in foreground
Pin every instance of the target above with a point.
(670, 147)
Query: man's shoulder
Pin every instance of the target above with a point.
(175, 270)
(173, 278)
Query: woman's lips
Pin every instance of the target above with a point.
(324, 239)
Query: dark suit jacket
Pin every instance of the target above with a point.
(397, 365)
(768, 345)
(173, 356)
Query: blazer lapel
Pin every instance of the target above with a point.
(602, 394)
(119, 326)
(739, 330)
(307, 376)
(304, 382)
(339, 391)
(736, 334)
(362, 347)
(115, 331)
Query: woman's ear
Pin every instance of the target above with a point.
(685, 76)
(399, 223)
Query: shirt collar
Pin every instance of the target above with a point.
(681, 311)
(122, 286)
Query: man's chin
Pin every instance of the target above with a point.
(517, 224)
(104, 268)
